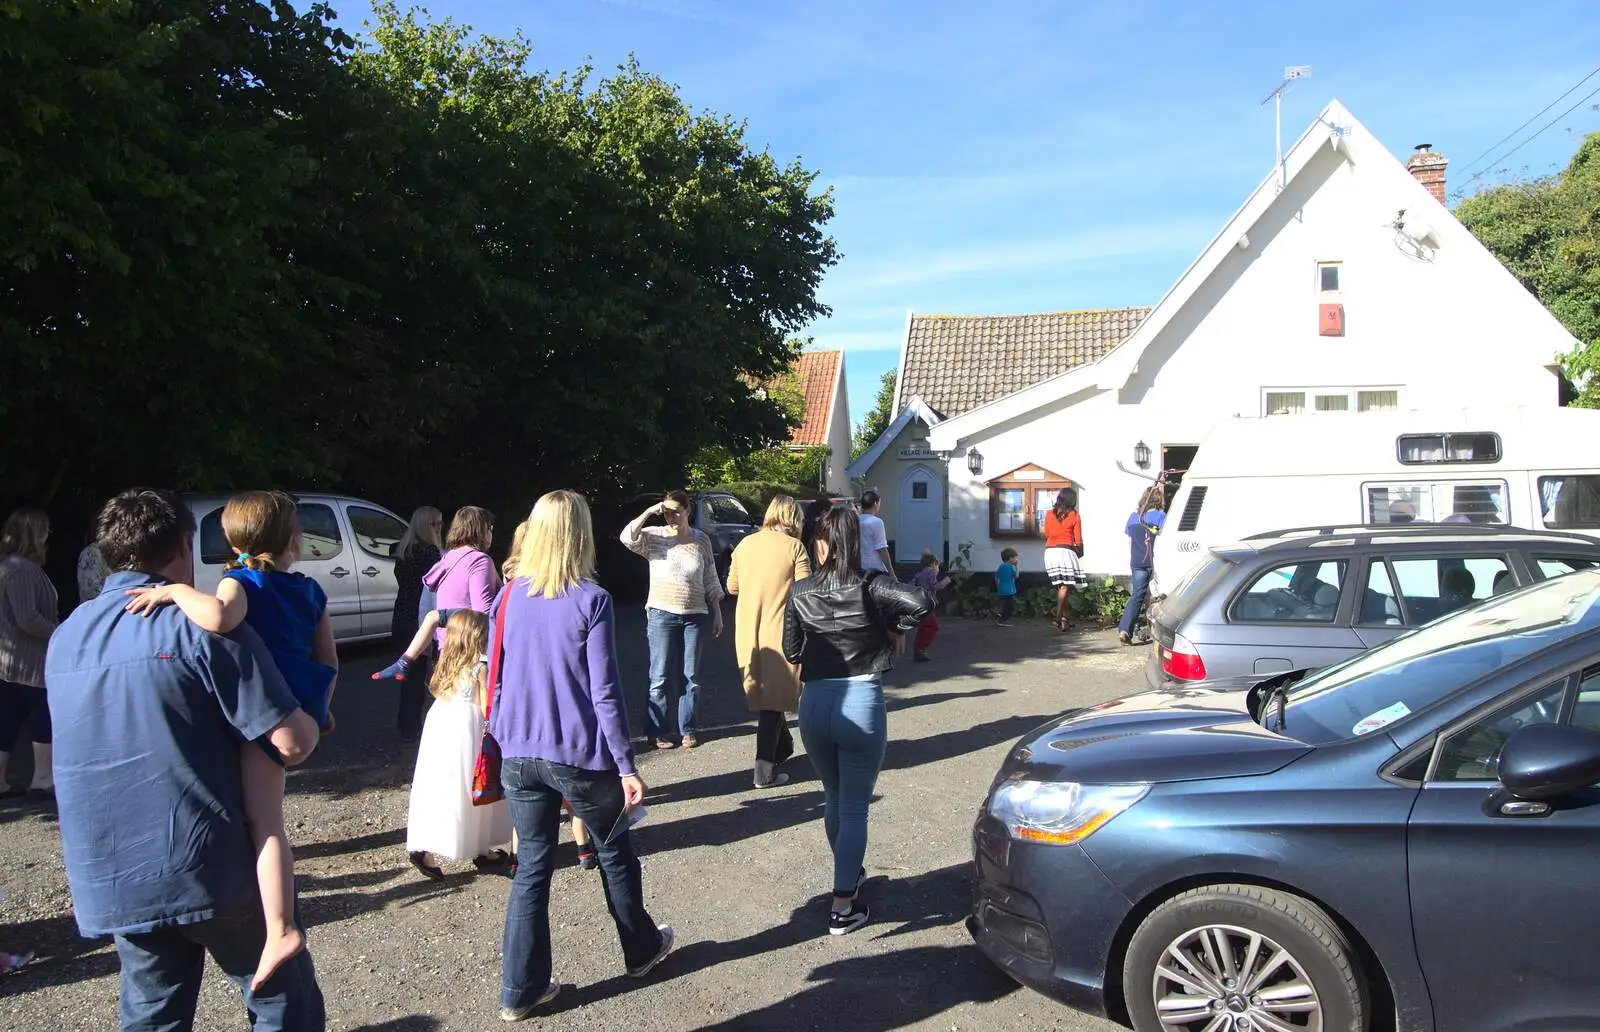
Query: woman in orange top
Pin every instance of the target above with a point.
(1063, 545)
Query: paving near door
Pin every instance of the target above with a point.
(741, 874)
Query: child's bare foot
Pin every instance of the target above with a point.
(279, 948)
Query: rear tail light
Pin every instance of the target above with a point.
(1182, 661)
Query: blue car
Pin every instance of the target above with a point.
(1407, 840)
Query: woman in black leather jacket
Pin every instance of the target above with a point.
(843, 629)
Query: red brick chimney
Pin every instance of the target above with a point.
(1428, 168)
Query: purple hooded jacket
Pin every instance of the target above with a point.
(463, 578)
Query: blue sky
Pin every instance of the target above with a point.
(1029, 155)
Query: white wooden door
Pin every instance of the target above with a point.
(919, 515)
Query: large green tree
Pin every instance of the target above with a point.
(878, 419)
(239, 249)
(1547, 232)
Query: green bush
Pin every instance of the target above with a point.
(1100, 602)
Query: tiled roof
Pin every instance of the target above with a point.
(819, 377)
(957, 362)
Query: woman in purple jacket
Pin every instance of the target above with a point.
(559, 718)
(465, 577)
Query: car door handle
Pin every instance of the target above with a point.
(371, 571)
(339, 571)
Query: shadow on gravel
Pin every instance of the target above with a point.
(61, 956)
(360, 844)
(412, 1023)
(914, 752)
(332, 907)
(872, 993)
(904, 702)
(752, 817)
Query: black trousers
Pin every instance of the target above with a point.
(414, 694)
(774, 743)
(23, 705)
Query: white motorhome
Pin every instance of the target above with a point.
(1526, 467)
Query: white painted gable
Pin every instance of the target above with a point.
(1439, 322)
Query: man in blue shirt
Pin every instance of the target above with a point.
(1143, 526)
(150, 714)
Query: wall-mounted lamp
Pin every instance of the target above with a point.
(974, 461)
(1141, 455)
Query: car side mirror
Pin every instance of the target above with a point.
(1542, 761)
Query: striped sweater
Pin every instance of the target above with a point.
(27, 618)
(683, 574)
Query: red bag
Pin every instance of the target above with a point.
(486, 786)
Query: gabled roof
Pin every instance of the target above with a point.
(1335, 127)
(915, 409)
(956, 363)
(821, 374)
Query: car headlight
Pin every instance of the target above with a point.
(1059, 812)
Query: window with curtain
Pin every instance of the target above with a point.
(1377, 401)
(1285, 403)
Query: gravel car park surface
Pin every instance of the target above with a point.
(741, 874)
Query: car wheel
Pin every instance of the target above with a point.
(1242, 958)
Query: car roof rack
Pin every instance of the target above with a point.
(1328, 530)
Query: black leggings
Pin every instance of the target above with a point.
(20, 705)
(774, 743)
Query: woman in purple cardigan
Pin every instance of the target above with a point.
(559, 717)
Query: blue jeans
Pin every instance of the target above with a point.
(1139, 589)
(843, 725)
(161, 973)
(534, 790)
(669, 633)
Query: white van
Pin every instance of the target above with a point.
(346, 545)
(1526, 467)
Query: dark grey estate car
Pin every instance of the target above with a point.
(1311, 597)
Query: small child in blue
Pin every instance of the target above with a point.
(1005, 585)
(289, 611)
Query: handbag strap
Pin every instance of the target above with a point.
(496, 654)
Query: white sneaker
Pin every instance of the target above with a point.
(661, 954)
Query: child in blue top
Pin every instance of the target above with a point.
(289, 612)
(1005, 585)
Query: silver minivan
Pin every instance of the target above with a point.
(346, 545)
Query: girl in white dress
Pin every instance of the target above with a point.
(443, 822)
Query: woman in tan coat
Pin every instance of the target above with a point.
(763, 567)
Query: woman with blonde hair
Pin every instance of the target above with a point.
(415, 554)
(764, 567)
(559, 717)
(28, 616)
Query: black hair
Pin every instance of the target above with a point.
(1066, 501)
(869, 498)
(143, 529)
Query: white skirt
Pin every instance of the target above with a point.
(442, 819)
(1062, 566)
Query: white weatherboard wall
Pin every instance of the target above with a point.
(1446, 325)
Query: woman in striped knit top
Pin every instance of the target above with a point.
(685, 599)
(28, 616)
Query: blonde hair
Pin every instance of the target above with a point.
(262, 528)
(508, 568)
(558, 553)
(466, 639)
(25, 534)
(783, 513)
(471, 527)
(421, 529)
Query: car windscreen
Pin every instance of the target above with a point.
(1195, 585)
(1416, 670)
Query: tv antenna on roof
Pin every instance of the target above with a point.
(1290, 74)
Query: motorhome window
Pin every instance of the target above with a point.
(1452, 501)
(1571, 501)
(1417, 449)
(1333, 403)
(1191, 508)
(1377, 401)
(1285, 403)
